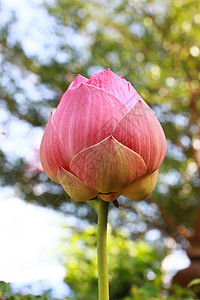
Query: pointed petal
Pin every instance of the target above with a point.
(108, 197)
(108, 166)
(117, 86)
(141, 188)
(85, 116)
(77, 81)
(74, 187)
(141, 131)
(52, 154)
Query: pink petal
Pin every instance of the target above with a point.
(117, 86)
(141, 131)
(77, 81)
(52, 154)
(74, 187)
(142, 188)
(85, 116)
(108, 166)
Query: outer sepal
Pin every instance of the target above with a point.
(141, 188)
(74, 187)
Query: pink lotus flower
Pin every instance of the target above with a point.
(103, 140)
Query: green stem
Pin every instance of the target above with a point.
(103, 286)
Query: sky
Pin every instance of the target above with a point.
(30, 236)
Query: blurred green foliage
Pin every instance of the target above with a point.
(145, 292)
(134, 268)
(7, 294)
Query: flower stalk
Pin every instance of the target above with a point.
(103, 284)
